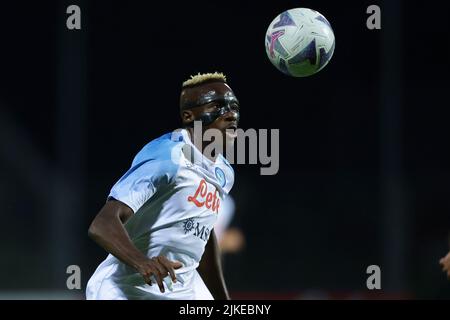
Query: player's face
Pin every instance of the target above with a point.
(221, 112)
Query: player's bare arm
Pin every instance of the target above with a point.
(107, 230)
(210, 270)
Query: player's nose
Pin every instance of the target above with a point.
(231, 116)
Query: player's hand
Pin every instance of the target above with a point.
(445, 262)
(158, 267)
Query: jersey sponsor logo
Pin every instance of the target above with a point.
(220, 175)
(204, 198)
(200, 231)
(188, 225)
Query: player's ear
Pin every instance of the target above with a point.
(187, 116)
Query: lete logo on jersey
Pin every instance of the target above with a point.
(204, 198)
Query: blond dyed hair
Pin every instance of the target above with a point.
(201, 78)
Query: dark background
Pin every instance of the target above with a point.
(364, 164)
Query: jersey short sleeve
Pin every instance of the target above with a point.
(153, 167)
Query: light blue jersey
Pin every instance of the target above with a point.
(176, 194)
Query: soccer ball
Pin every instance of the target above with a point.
(300, 42)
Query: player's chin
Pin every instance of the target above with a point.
(229, 143)
(229, 133)
(229, 136)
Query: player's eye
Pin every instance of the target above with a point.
(234, 107)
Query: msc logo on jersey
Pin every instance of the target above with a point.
(220, 175)
(188, 225)
(198, 230)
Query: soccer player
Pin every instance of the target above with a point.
(158, 219)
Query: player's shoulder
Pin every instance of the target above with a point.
(164, 149)
(227, 164)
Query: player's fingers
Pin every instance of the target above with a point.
(166, 263)
(147, 278)
(159, 282)
(160, 268)
(176, 264)
(160, 273)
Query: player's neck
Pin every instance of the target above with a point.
(202, 143)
